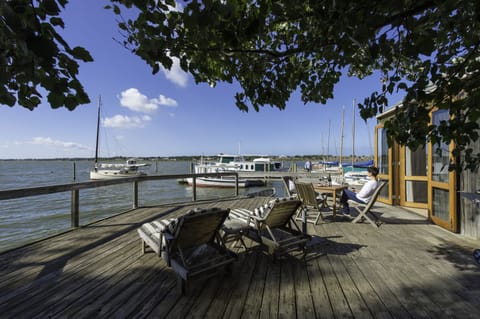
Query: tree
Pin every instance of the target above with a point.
(426, 49)
(34, 56)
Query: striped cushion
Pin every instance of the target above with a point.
(244, 214)
(157, 226)
(151, 233)
(241, 214)
(262, 210)
(281, 199)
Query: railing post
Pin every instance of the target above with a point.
(236, 184)
(74, 209)
(194, 188)
(135, 194)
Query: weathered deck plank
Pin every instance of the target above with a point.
(407, 268)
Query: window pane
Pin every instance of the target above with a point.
(382, 152)
(416, 162)
(440, 161)
(384, 192)
(416, 191)
(441, 204)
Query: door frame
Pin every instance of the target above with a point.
(450, 187)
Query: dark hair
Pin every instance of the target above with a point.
(373, 170)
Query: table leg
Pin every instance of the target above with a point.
(334, 205)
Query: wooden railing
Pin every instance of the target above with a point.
(75, 188)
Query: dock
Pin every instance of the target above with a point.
(406, 268)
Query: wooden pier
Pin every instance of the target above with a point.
(407, 268)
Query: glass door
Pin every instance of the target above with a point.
(413, 177)
(383, 160)
(441, 193)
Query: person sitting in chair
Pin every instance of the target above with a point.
(364, 195)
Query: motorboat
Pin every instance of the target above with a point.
(224, 181)
(232, 163)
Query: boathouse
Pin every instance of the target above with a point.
(421, 181)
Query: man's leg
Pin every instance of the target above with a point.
(346, 195)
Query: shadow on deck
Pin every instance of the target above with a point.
(407, 268)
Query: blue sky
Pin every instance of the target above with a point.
(167, 114)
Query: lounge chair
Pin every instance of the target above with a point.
(311, 202)
(191, 244)
(273, 227)
(364, 209)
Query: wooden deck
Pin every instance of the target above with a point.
(407, 268)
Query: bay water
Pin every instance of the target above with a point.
(28, 219)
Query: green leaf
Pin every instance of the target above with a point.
(56, 100)
(57, 22)
(81, 54)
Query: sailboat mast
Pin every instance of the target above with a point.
(328, 141)
(341, 137)
(353, 133)
(98, 130)
(323, 148)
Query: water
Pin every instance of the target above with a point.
(27, 219)
(354, 169)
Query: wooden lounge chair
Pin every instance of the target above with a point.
(364, 209)
(273, 227)
(311, 202)
(192, 244)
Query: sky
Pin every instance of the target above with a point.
(167, 114)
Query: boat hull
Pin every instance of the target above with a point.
(113, 174)
(224, 182)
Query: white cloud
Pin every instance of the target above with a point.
(49, 141)
(163, 100)
(123, 121)
(176, 75)
(134, 100)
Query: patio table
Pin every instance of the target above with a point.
(331, 189)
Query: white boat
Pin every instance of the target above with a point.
(232, 163)
(131, 168)
(224, 181)
(355, 178)
(117, 170)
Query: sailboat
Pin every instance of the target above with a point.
(355, 177)
(131, 168)
(325, 165)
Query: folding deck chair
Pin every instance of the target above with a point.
(364, 209)
(273, 227)
(312, 203)
(191, 244)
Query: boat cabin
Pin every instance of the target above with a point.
(238, 163)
